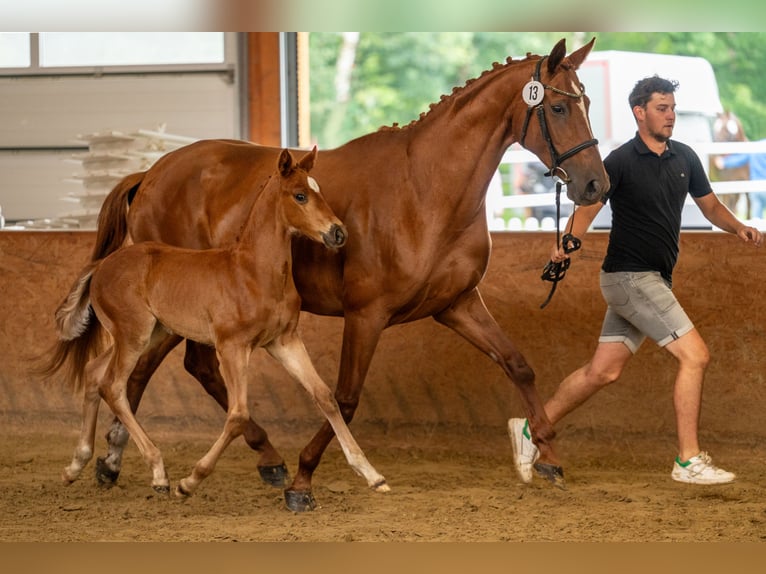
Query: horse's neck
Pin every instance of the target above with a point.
(468, 132)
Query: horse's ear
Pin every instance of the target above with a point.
(556, 55)
(285, 163)
(578, 57)
(307, 161)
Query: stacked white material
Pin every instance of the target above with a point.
(111, 156)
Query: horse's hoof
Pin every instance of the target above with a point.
(552, 473)
(300, 500)
(161, 488)
(105, 475)
(182, 493)
(381, 486)
(275, 475)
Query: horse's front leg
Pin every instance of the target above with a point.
(361, 334)
(201, 362)
(469, 317)
(291, 353)
(108, 467)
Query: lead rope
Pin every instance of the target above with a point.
(555, 271)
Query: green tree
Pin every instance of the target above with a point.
(394, 77)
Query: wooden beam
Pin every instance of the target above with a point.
(263, 101)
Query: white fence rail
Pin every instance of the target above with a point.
(499, 201)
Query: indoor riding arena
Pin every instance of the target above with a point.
(432, 416)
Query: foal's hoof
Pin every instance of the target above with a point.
(182, 493)
(105, 475)
(300, 500)
(381, 486)
(163, 489)
(275, 475)
(552, 473)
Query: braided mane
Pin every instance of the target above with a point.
(456, 91)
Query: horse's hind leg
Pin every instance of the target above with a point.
(234, 360)
(202, 363)
(108, 467)
(83, 452)
(292, 354)
(469, 317)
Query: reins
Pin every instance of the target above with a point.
(553, 271)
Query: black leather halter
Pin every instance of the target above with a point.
(555, 272)
(556, 158)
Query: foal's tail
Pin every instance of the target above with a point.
(81, 336)
(112, 228)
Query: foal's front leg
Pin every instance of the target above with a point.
(291, 352)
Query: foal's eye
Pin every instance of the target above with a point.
(301, 197)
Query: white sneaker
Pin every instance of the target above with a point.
(525, 453)
(700, 470)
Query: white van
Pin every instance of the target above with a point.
(609, 77)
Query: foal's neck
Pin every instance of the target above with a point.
(264, 229)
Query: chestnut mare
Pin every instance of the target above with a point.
(412, 198)
(235, 299)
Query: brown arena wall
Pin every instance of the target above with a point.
(423, 377)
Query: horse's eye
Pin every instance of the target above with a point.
(557, 109)
(301, 197)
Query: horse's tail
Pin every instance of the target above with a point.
(81, 336)
(112, 228)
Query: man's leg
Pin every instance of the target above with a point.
(604, 367)
(692, 355)
(692, 465)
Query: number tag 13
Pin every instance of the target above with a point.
(533, 93)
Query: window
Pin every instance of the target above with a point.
(78, 52)
(58, 88)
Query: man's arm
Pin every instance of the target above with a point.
(720, 216)
(578, 224)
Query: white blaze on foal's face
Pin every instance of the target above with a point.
(313, 183)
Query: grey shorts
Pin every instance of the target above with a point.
(640, 305)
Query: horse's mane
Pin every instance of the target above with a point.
(458, 90)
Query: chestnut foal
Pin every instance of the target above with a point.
(235, 299)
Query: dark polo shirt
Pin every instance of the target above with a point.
(647, 194)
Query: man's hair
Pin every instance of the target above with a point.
(643, 90)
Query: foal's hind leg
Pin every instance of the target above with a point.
(113, 391)
(202, 363)
(469, 317)
(108, 467)
(83, 452)
(292, 354)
